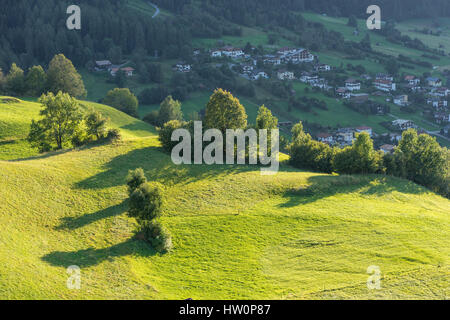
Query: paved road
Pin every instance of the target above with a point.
(156, 8)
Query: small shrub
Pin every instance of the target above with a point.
(113, 135)
(157, 235)
(135, 179)
(146, 202)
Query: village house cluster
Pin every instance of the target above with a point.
(106, 65)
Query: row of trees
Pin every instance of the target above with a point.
(60, 76)
(65, 124)
(145, 205)
(223, 111)
(418, 158)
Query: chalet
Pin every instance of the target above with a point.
(438, 104)
(364, 129)
(232, 52)
(128, 71)
(343, 92)
(272, 59)
(382, 76)
(183, 67)
(387, 148)
(285, 75)
(216, 53)
(295, 55)
(401, 100)
(403, 124)
(412, 80)
(352, 85)
(309, 78)
(434, 82)
(384, 85)
(440, 92)
(256, 75)
(322, 84)
(322, 67)
(103, 65)
(325, 138)
(345, 134)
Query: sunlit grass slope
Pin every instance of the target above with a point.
(16, 116)
(236, 234)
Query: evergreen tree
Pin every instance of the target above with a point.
(15, 81)
(170, 109)
(36, 81)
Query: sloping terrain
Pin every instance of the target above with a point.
(236, 234)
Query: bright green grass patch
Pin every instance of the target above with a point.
(15, 120)
(237, 234)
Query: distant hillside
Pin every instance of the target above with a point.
(237, 234)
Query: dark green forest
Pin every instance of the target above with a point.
(32, 32)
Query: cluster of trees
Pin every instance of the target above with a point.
(223, 111)
(60, 76)
(145, 205)
(64, 124)
(418, 158)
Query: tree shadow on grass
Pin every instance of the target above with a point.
(320, 187)
(158, 166)
(73, 223)
(91, 257)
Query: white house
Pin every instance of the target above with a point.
(258, 75)
(440, 92)
(434, 82)
(232, 52)
(183, 67)
(103, 64)
(384, 85)
(412, 80)
(352, 85)
(322, 67)
(403, 124)
(216, 53)
(436, 103)
(401, 100)
(285, 75)
(309, 78)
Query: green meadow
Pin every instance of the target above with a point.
(237, 234)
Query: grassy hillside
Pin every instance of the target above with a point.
(236, 234)
(16, 116)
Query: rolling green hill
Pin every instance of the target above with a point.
(236, 234)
